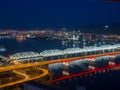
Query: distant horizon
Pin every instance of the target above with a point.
(72, 27)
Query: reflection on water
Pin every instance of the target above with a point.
(2, 49)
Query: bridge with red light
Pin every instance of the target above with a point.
(42, 72)
(87, 72)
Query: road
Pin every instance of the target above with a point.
(26, 77)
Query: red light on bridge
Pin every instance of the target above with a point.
(66, 63)
(91, 67)
(111, 63)
(65, 72)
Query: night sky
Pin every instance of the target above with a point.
(26, 14)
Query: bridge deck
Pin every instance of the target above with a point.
(20, 66)
(45, 72)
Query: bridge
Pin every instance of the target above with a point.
(41, 69)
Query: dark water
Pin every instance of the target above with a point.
(109, 80)
(106, 81)
(13, 46)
